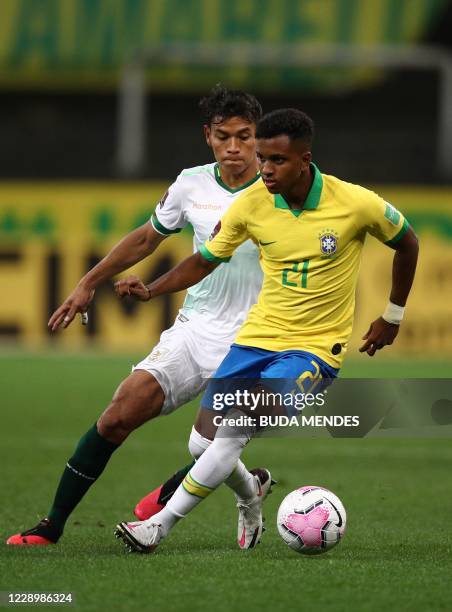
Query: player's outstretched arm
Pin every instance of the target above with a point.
(189, 272)
(130, 250)
(384, 330)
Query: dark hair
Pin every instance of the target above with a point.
(290, 121)
(227, 103)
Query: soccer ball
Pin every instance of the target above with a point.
(311, 520)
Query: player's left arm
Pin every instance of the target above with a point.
(229, 233)
(186, 274)
(383, 331)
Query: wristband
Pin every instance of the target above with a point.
(149, 292)
(393, 313)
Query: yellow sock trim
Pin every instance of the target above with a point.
(195, 488)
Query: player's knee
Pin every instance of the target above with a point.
(137, 400)
(197, 444)
(204, 423)
(112, 425)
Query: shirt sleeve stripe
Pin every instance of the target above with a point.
(161, 229)
(210, 256)
(399, 235)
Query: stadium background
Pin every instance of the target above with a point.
(69, 191)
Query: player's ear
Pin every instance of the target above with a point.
(207, 133)
(306, 158)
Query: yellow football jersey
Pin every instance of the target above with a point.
(310, 259)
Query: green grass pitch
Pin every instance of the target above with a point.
(396, 553)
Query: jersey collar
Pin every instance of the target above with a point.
(313, 199)
(230, 189)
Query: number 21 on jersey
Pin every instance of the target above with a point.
(296, 276)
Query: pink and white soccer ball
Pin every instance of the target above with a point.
(311, 520)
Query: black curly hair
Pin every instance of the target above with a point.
(226, 103)
(292, 122)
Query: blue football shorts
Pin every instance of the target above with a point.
(246, 368)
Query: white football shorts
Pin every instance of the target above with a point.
(187, 354)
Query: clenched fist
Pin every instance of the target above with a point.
(134, 287)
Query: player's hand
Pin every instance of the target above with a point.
(379, 334)
(134, 287)
(78, 301)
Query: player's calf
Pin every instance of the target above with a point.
(157, 499)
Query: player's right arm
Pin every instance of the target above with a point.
(130, 250)
(168, 218)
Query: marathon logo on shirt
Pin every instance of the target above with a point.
(392, 214)
(206, 206)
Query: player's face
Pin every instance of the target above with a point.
(233, 143)
(282, 162)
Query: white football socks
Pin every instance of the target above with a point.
(241, 481)
(197, 444)
(218, 463)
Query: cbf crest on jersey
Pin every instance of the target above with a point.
(328, 242)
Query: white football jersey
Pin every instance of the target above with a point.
(200, 198)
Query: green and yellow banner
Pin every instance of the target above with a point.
(84, 43)
(51, 234)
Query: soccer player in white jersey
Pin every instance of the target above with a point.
(189, 352)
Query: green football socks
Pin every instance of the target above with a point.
(82, 470)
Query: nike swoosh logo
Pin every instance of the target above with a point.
(339, 524)
(266, 243)
(243, 538)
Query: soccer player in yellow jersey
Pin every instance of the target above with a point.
(310, 228)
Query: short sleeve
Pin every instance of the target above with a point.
(385, 222)
(230, 232)
(168, 217)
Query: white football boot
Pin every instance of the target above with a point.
(250, 526)
(139, 536)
